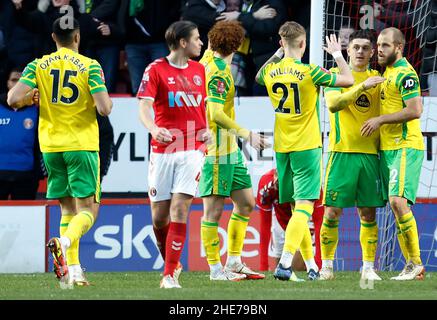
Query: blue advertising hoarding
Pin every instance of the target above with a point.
(122, 239)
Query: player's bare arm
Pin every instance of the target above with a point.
(22, 95)
(344, 77)
(337, 100)
(103, 103)
(413, 110)
(219, 116)
(161, 135)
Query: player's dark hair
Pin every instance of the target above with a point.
(178, 30)
(64, 31)
(363, 34)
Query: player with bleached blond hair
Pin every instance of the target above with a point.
(293, 88)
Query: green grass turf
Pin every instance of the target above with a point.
(197, 286)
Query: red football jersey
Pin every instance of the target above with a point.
(178, 95)
(268, 198)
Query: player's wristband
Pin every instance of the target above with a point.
(337, 54)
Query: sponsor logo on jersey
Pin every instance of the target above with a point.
(362, 104)
(182, 99)
(409, 83)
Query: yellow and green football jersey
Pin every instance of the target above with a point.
(401, 84)
(293, 88)
(66, 81)
(220, 91)
(345, 135)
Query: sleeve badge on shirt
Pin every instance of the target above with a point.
(409, 83)
(220, 86)
(102, 75)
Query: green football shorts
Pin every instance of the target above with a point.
(222, 175)
(400, 172)
(73, 174)
(352, 180)
(299, 175)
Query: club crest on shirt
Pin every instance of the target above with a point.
(362, 104)
(220, 86)
(28, 123)
(197, 80)
(152, 192)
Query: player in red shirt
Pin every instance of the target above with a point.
(278, 215)
(174, 86)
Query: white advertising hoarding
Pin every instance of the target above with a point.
(22, 239)
(128, 170)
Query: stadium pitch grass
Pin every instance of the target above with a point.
(197, 286)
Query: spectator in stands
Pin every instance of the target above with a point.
(39, 22)
(104, 23)
(20, 165)
(261, 34)
(300, 11)
(23, 49)
(429, 62)
(146, 25)
(204, 14)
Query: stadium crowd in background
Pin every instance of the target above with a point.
(126, 35)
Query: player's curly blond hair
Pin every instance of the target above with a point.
(225, 37)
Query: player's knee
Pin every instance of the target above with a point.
(398, 205)
(246, 208)
(330, 213)
(367, 214)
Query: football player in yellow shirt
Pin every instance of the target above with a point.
(70, 88)
(293, 88)
(361, 186)
(224, 173)
(402, 147)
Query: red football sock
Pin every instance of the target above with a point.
(265, 233)
(174, 246)
(161, 237)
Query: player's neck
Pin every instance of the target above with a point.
(177, 58)
(294, 54)
(228, 59)
(359, 68)
(71, 47)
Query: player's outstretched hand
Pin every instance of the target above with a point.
(258, 141)
(370, 126)
(332, 44)
(372, 82)
(162, 135)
